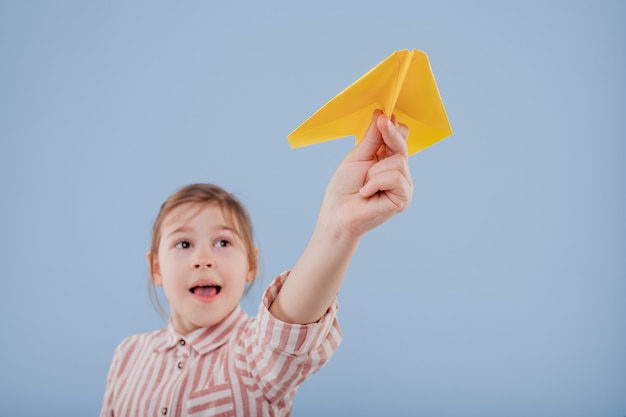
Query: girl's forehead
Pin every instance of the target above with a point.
(188, 211)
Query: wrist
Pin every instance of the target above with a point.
(330, 228)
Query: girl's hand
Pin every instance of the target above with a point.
(373, 182)
(371, 185)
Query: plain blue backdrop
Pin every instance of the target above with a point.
(501, 291)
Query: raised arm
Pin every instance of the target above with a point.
(371, 185)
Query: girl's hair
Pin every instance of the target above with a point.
(202, 195)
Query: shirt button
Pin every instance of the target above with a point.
(182, 342)
(180, 365)
(164, 410)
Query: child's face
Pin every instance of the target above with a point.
(202, 266)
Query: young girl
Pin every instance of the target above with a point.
(213, 360)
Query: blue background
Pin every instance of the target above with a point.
(500, 291)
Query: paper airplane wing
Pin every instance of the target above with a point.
(420, 107)
(402, 84)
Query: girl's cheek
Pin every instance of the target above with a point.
(182, 254)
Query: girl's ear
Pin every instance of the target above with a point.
(155, 270)
(253, 271)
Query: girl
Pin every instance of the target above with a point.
(213, 360)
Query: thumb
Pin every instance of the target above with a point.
(372, 140)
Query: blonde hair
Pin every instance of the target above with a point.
(204, 194)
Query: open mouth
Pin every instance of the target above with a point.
(205, 291)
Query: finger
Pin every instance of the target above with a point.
(404, 129)
(391, 163)
(395, 163)
(379, 181)
(371, 142)
(394, 186)
(393, 136)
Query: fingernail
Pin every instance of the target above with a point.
(390, 124)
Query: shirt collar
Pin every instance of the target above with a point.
(205, 339)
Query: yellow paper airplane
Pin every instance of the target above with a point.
(403, 84)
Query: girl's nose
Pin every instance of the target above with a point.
(200, 265)
(203, 260)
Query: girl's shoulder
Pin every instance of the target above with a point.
(155, 339)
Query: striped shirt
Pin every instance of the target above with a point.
(243, 366)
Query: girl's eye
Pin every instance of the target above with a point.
(222, 243)
(183, 245)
